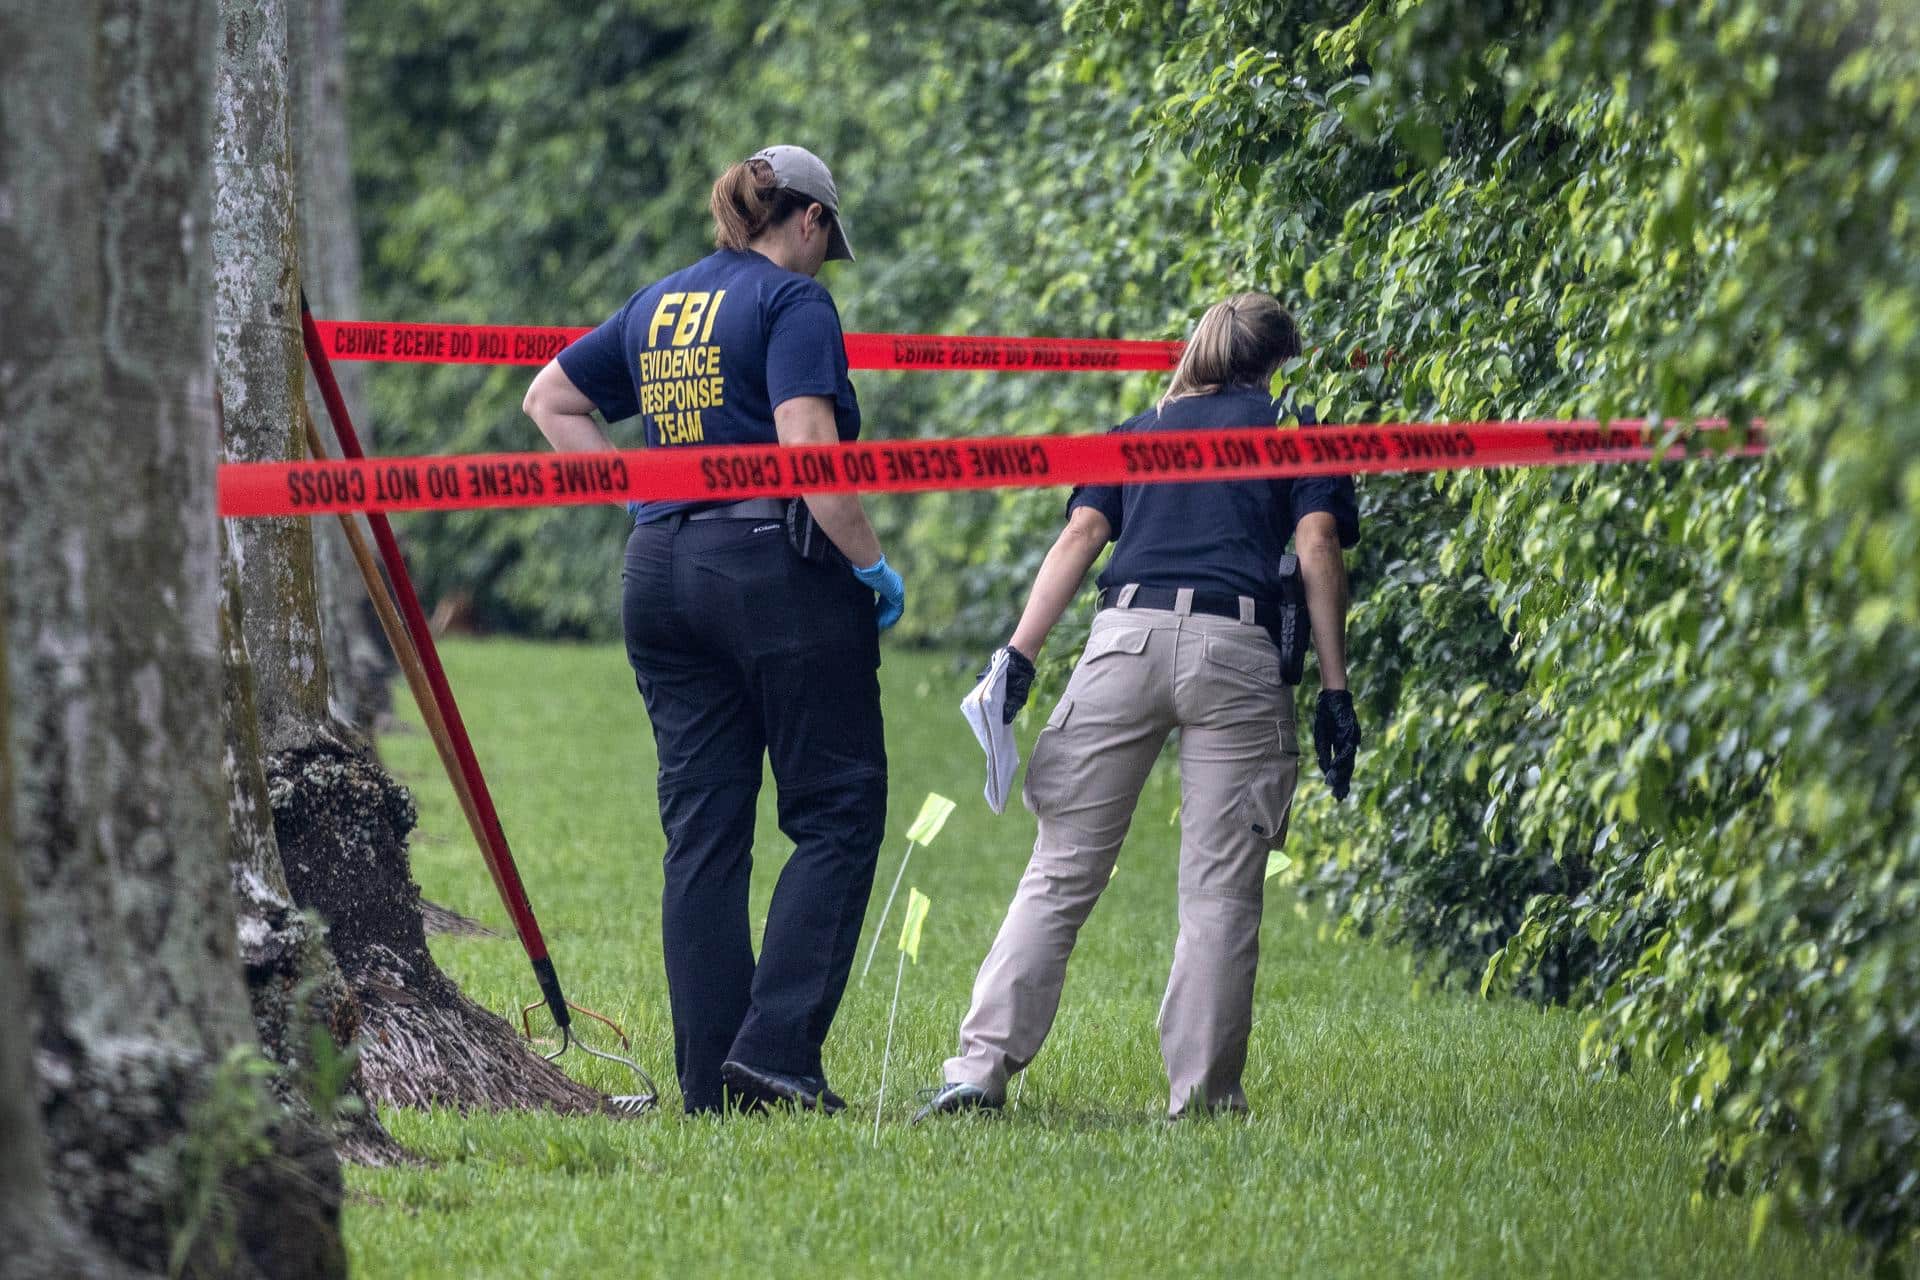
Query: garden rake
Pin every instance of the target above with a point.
(412, 640)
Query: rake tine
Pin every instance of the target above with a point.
(632, 1104)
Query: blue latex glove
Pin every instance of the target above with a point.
(892, 591)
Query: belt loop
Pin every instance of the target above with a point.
(1126, 596)
(1246, 610)
(1183, 601)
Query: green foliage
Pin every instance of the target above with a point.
(1676, 780)
(992, 182)
(326, 1079)
(229, 1128)
(519, 171)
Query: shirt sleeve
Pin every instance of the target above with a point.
(1332, 494)
(1104, 498)
(806, 352)
(597, 364)
(1108, 499)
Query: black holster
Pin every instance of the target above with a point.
(1290, 627)
(808, 539)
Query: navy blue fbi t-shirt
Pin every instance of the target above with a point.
(705, 356)
(1224, 536)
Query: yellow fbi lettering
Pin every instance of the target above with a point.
(678, 379)
(680, 428)
(680, 362)
(684, 313)
(677, 394)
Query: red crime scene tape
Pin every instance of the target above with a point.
(730, 473)
(392, 341)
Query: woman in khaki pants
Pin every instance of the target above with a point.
(1180, 642)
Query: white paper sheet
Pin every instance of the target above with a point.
(985, 712)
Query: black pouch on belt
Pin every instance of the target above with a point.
(1289, 629)
(808, 539)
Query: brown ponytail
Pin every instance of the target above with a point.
(745, 202)
(1237, 342)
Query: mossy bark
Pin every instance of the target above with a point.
(357, 656)
(119, 809)
(295, 984)
(257, 352)
(36, 1239)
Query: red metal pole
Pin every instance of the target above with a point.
(506, 876)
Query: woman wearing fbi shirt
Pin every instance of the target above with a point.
(1188, 605)
(750, 629)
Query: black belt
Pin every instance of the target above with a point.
(746, 509)
(1214, 604)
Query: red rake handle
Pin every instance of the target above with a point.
(506, 876)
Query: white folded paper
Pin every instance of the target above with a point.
(985, 710)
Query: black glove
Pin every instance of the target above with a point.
(1019, 681)
(1336, 739)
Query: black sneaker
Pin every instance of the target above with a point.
(950, 1099)
(776, 1088)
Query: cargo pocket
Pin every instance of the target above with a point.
(1269, 802)
(1046, 771)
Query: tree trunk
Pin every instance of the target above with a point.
(35, 1238)
(357, 653)
(340, 821)
(257, 352)
(277, 693)
(164, 1149)
(293, 979)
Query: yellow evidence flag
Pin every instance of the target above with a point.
(933, 816)
(917, 904)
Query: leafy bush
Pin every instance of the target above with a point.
(1677, 780)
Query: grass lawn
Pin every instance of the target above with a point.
(1391, 1134)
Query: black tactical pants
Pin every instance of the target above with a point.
(743, 650)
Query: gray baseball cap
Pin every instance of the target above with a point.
(800, 170)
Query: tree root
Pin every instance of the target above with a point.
(342, 824)
(427, 1045)
(447, 921)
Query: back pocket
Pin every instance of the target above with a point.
(1108, 641)
(1253, 657)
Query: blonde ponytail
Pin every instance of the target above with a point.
(1238, 342)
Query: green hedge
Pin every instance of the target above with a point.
(1642, 739)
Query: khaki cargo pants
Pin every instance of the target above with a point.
(1146, 672)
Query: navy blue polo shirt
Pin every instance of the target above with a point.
(1224, 536)
(706, 355)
